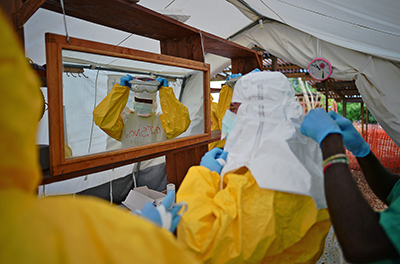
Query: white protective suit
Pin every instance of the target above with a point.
(269, 206)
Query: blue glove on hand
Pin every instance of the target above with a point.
(352, 140)
(125, 80)
(171, 218)
(255, 70)
(317, 124)
(162, 81)
(214, 160)
(232, 76)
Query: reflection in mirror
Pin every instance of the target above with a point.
(104, 113)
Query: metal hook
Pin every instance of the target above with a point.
(80, 73)
(72, 74)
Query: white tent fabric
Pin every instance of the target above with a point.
(377, 79)
(361, 39)
(367, 26)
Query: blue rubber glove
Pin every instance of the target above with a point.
(352, 140)
(317, 124)
(213, 159)
(255, 70)
(232, 76)
(162, 81)
(152, 213)
(125, 80)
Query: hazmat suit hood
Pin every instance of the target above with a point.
(267, 139)
(149, 96)
(21, 106)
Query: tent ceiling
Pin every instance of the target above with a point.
(368, 26)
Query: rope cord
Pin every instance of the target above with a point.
(65, 21)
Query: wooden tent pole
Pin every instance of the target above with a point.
(366, 121)
(326, 96)
(362, 118)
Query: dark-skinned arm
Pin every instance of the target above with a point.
(378, 177)
(356, 225)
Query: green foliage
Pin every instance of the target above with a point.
(296, 85)
(297, 88)
(330, 102)
(353, 112)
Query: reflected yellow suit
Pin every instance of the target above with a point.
(62, 229)
(243, 223)
(218, 112)
(174, 120)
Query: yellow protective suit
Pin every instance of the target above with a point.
(175, 118)
(214, 124)
(58, 229)
(243, 223)
(218, 112)
(224, 101)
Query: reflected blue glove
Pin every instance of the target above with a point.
(163, 215)
(214, 160)
(352, 140)
(162, 81)
(232, 76)
(317, 124)
(255, 70)
(125, 80)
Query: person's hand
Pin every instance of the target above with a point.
(232, 76)
(352, 140)
(317, 124)
(125, 80)
(164, 215)
(214, 160)
(162, 81)
(255, 70)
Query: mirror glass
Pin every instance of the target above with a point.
(99, 118)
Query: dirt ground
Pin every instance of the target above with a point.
(377, 204)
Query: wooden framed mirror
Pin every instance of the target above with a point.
(80, 74)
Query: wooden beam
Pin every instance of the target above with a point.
(366, 121)
(136, 19)
(244, 65)
(176, 169)
(125, 16)
(326, 95)
(336, 91)
(215, 90)
(274, 63)
(10, 8)
(186, 47)
(26, 11)
(285, 67)
(303, 76)
(228, 49)
(362, 118)
(338, 84)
